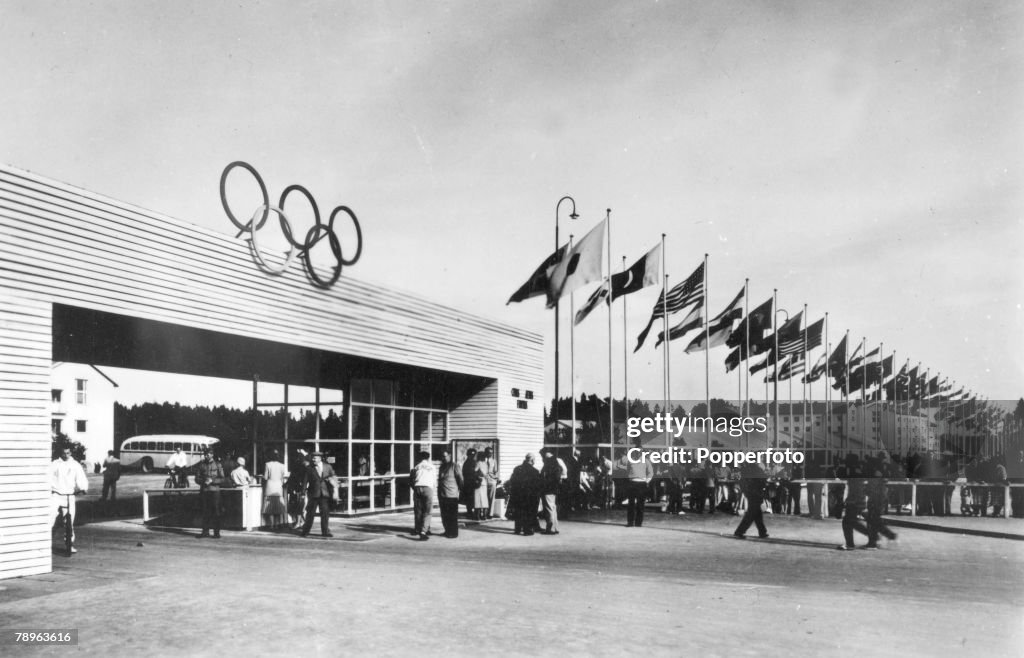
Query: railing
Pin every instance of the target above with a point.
(914, 484)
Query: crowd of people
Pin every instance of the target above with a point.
(547, 487)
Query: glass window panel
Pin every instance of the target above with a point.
(382, 424)
(420, 426)
(361, 459)
(382, 392)
(382, 458)
(360, 423)
(439, 431)
(362, 391)
(403, 492)
(403, 459)
(403, 394)
(333, 425)
(403, 425)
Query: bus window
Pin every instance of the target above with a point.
(187, 447)
(150, 445)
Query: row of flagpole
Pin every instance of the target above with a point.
(577, 264)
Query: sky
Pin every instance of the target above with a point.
(863, 158)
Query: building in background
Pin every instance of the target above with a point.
(82, 407)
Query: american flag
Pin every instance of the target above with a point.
(791, 339)
(796, 344)
(681, 295)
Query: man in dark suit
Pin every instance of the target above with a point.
(321, 487)
(753, 483)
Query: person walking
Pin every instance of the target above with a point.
(524, 494)
(321, 487)
(423, 478)
(638, 475)
(753, 481)
(449, 486)
(877, 495)
(111, 474)
(551, 481)
(855, 494)
(67, 478)
(209, 477)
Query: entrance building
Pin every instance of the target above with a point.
(87, 279)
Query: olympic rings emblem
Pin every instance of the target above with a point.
(302, 248)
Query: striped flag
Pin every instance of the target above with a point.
(693, 320)
(817, 371)
(599, 295)
(791, 339)
(679, 297)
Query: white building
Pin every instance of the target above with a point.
(82, 407)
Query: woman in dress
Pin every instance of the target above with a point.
(481, 501)
(275, 511)
(470, 483)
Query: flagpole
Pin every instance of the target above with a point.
(611, 396)
(803, 392)
(845, 438)
(775, 357)
(707, 355)
(666, 377)
(572, 215)
(828, 372)
(572, 358)
(746, 354)
(625, 348)
(881, 403)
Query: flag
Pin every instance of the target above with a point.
(537, 284)
(762, 365)
(817, 371)
(809, 337)
(581, 265)
(645, 272)
(719, 328)
(759, 320)
(857, 360)
(716, 335)
(790, 338)
(837, 362)
(732, 312)
(733, 360)
(812, 334)
(693, 319)
(791, 367)
(679, 297)
(599, 295)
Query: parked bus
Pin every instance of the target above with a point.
(151, 451)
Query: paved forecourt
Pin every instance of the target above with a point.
(679, 584)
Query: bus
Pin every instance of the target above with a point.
(149, 452)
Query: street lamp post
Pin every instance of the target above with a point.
(775, 377)
(572, 215)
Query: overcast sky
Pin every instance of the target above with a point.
(862, 157)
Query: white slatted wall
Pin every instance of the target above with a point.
(25, 361)
(62, 244)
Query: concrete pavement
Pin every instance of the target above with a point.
(679, 584)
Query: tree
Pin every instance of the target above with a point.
(60, 441)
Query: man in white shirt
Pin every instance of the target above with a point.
(423, 479)
(176, 465)
(240, 476)
(66, 479)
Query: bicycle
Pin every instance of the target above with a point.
(177, 479)
(64, 518)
